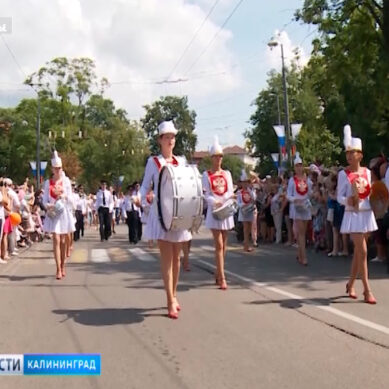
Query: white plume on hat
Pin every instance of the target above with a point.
(297, 159)
(167, 127)
(243, 176)
(216, 149)
(56, 161)
(349, 142)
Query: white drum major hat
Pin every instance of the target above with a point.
(216, 149)
(167, 127)
(56, 161)
(350, 143)
(297, 159)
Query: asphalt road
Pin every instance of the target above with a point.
(279, 325)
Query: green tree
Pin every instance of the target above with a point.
(176, 109)
(350, 66)
(315, 142)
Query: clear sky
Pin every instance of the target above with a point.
(219, 61)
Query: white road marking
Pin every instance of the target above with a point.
(100, 256)
(207, 248)
(334, 311)
(142, 255)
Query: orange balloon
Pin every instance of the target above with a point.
(15, 219)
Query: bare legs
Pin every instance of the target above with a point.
(59, 248)
(220, 241)
(301, 237)
(246, 236)
(170, 268)
(186, 250)
(359, 266)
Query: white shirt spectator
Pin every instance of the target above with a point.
(15, 203)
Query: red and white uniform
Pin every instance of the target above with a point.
(299, 189)
(153, 229)
(361, 220)
(245, 197)
(63, 223)
(218, 187)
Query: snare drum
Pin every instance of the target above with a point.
(55, 211)
(229, 208)
(248, 209)
(180, 198)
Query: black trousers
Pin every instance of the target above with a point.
(133, 221)
(105, 223)
(140, 225)
(79, 225)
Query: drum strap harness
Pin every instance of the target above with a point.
(218, 182)
(301, 185)
(361, 181)
(157, 161)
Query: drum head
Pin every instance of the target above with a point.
(165, 198)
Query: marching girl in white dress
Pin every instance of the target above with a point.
(246, 201)
(59, 220)
(298, 193)
(218, 188)
(169, 242)
(354, 187)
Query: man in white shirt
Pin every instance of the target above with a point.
(137, 198)
(80, 212)
(130, 212)
(104, 203)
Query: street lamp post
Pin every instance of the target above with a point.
(38, 137)
(38, 146)
(271, 44)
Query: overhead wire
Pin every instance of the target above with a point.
(193, 39)
(214, 37)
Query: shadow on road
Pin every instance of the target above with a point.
(108, 316)
(23, 278)
(299, 303)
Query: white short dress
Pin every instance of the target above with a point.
(361, 220)
(300, 190)
(64, 223)
(153, 228)
(217, 187)
(246, 197)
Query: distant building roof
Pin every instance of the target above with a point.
(235, 150)
(230, 150)
(200, 154)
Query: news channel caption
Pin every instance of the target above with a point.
(50, 364)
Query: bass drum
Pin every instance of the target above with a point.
(180, 198)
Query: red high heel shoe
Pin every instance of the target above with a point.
(369, 298)
(172, 314)
(171, 311)
(350, 294)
